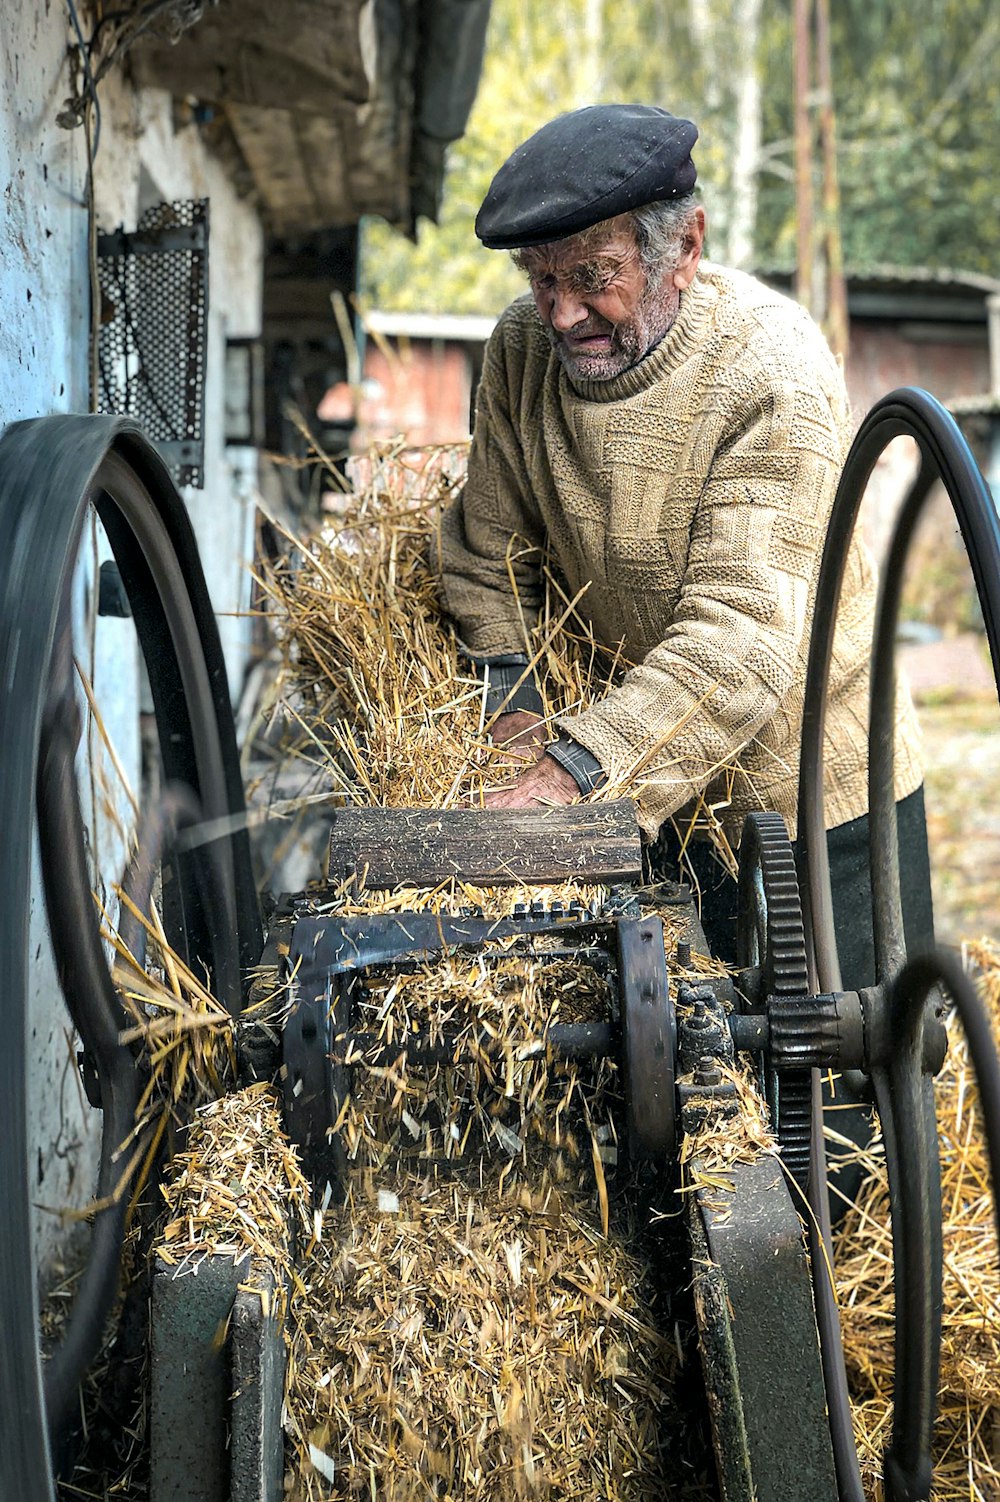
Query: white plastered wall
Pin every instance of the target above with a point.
(44, 312)
(44, 304)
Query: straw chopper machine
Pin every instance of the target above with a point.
(769, 1331)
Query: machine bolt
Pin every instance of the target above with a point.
(707, 1072)
(683, 954)
(699, 1017)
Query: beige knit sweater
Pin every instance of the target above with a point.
(690, 497)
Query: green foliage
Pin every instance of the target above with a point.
(917, 90)
(917, 93)
(534, 69)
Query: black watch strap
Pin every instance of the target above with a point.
(581, 764)
(501, 675)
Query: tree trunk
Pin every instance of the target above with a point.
(746, 145)
(725, 34)
(836, 287)
(803, 157)
(592, 52)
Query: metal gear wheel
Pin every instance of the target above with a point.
(771, 935)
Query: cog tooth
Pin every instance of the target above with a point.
(787, 972)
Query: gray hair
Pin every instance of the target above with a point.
(661, 230)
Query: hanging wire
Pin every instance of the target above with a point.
(87, 73)
(171, 17)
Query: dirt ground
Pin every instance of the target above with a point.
(960, 717)
(962, 748)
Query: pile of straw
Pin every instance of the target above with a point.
(236, 1190)
(469, 1295)
(967, 1437)
(184, 1035)
(374, 687)
(485, 1313)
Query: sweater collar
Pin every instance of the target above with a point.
(680, 340)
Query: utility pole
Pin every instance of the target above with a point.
(817, 241)
(836, 288)
(804, 227)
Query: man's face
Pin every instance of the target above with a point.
(595, 302)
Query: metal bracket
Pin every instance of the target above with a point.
(327, 955)
(758, 1338)
(316, 1084)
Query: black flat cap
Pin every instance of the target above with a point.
(583, 167)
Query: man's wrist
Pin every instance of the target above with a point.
(581, 764)
(509, 686)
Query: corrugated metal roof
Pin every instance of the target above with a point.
(896, 276)
(936, 276)
(975, 406)
(924, 293)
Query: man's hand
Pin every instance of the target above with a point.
(544, 782)
(520, 732)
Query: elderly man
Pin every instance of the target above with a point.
(669, 434)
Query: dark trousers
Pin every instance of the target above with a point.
(850, 881)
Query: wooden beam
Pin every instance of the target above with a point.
(394, 847)
(269, 141)
(305, 55)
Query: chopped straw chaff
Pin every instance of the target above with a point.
(483, 1315)
(237, 1190)
(472, 1330)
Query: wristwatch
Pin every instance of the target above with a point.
(581, 764)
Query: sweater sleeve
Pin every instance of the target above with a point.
(491, 539)
(731, 651)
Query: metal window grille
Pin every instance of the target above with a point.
(154, 330)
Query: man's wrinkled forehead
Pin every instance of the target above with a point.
(613, 240)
